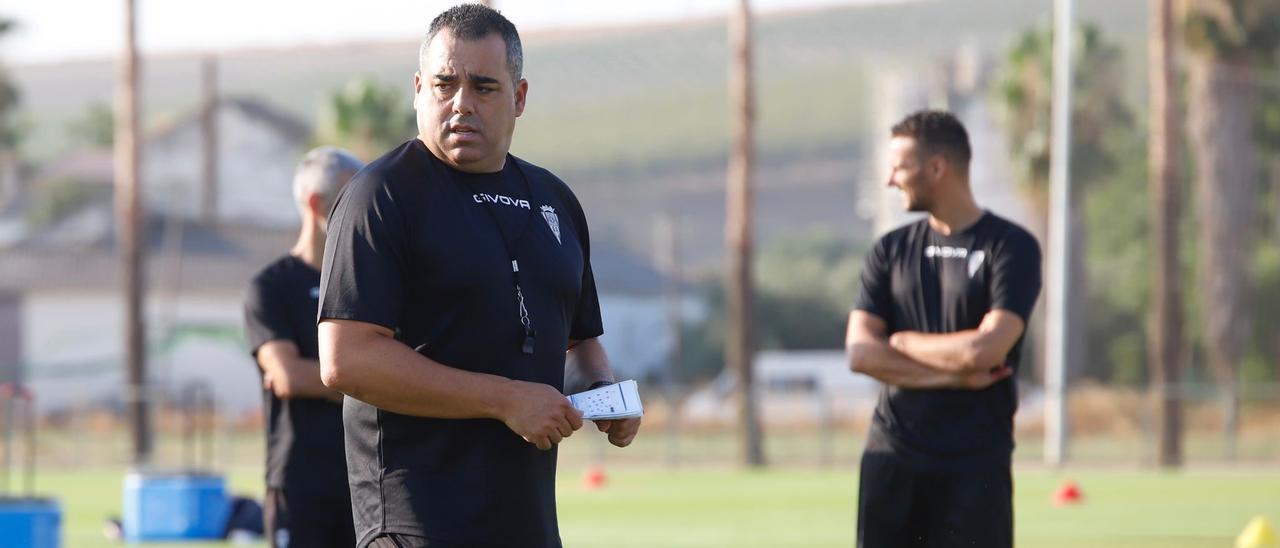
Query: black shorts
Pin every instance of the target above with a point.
(303, 521)
(395, 540)
(903, 503)
(398, 540)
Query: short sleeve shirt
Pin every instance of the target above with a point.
(916, 279)
(304, 435)
(426, 251)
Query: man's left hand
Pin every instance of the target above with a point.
(621, 431)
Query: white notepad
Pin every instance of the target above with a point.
(616, 401)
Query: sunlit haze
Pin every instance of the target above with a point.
(54, 30)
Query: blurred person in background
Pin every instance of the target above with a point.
(457, 280)
(307, 501)
(939, 320)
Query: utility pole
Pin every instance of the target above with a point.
(1055, 377)
(668, 255)
(1164, 322)
(129, 239)
(209, 140)
(739, 206)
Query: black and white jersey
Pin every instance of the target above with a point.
(304, 435)
(917, 279)
(426, 250)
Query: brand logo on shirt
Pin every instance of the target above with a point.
(315, 292)
(553, 220)
(500, 199)
(946, 252)
(975, 262)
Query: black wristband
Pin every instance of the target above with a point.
(599, 384)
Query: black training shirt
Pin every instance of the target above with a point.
(917, 279)
(421, 248)
(304, 435)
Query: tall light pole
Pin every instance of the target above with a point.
(1057, 358)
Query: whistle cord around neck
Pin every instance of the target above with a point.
(526, 323)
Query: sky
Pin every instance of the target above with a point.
(57, 30)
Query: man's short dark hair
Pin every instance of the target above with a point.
(937, 132)
(474, 22)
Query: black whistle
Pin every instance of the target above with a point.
(527, 347)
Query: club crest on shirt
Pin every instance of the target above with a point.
(975, 262)
(315, 292)
(553, 220)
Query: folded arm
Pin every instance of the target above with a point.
(978, 349)
(289, 375)
(871, 354)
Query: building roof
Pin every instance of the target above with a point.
(178, 255)
(80, 252)
(286, 124)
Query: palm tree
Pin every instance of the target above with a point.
(9, 99)
(1226, 39)
(1164, 331)
(10, 133)
(1097, 108)
(95, 127)
(366, 118)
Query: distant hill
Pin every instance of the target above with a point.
(635, 119)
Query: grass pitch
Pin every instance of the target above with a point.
(715, 507)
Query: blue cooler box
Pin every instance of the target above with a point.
(30, 522)
(174, 506)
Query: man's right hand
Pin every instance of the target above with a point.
(978, 380)
(540, 414)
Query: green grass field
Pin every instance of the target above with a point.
(714, 507)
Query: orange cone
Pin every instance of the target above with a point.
(594, 478)
(1068, 494)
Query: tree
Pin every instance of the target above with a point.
(802, 295)
(366, 118)
(95, 128)
(10, 132)
(1226, 40)
(1100, 139)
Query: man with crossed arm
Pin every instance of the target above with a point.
(307, 500)
(940, 320)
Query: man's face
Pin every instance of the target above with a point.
(466, 102)
(909, 174)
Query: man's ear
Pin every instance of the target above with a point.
(937, 167)
(315, 204)
(522, 93)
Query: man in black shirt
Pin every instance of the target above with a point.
(940, 320)
(307, 501)
(457, 279)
